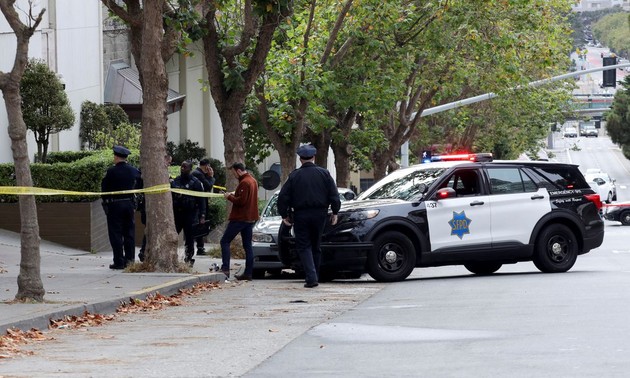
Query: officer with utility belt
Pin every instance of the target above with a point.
(309, 191)
(120, 208)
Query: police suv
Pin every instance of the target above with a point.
(478, 213)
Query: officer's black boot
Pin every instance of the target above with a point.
(188, 257)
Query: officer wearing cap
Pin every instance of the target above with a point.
(119, 208)
(309, 192)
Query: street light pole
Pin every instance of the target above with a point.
(491, 95)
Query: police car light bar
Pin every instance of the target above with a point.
(485, 156)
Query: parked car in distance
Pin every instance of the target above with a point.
(589, 131)
(619, 212)
(570, 132)
(265, 233)
(604, 185)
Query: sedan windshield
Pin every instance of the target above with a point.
(403, 184)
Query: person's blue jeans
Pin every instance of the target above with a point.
(234, 228)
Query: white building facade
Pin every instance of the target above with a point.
(593, 5)
(69, 41)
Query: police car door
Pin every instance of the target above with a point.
(464, 220)
(517, 205)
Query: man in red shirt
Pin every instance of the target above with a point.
(241, 220)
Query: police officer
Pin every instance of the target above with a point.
(205, 174)
(120, 208)
(309, 191)
(188, 210)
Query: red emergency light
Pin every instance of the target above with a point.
(484, 156)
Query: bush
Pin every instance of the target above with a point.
(217, 212)
(187, 150)
(68, 156)
(83, 175)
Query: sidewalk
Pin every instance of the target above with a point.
(76, 281)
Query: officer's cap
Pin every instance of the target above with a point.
(121, 151)
(306, 151)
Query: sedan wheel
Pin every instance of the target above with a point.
(624, 218)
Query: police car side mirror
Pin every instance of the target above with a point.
(422, 188)
(349, 196)
(445, 193)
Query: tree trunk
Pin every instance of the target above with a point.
(253, 46)
(342, 163)
(44, 151)
(380, 167)
(233, 141)
(161, 250)
(29, 280)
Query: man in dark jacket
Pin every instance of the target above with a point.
(205, 174)
(309, 191)
(119, 208)
(188, 210)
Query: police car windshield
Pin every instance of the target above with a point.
(403, 184)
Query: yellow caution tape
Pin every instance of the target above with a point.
(163, 188)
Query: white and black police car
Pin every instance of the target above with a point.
(475, 212)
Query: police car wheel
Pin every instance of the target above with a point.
(258, 273)
(624, 218)
(483, 268)
(556, 249)
(393, 257)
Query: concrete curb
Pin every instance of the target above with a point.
(109, 306)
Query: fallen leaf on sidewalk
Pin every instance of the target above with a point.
(9, 343)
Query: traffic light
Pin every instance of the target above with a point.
(610, 76)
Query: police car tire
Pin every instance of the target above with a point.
(393, 257)
(547, 257)
(483, 268)
(258, 273)
(624, 218)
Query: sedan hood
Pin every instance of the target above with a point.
(269, 225)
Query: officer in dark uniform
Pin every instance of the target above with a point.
(205, 174)
(120, 208)
(188, 210)
(309, 191)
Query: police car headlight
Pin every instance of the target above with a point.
(262, 238)
(363, 214)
